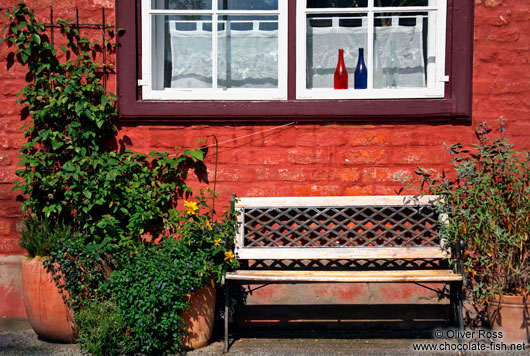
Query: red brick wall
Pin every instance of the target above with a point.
(322, 159)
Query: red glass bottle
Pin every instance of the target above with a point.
(341, 75)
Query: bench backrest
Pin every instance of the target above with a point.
(371, 227)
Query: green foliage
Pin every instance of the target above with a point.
(153, 290)
(70, 110)
(488, 203)
(100, 328)
(84, 269)
(108, 220)
(40, 237)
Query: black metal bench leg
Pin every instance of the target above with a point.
(227, 310)
(453, 301)
(460, 306)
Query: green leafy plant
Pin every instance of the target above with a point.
(41, 237)
(68, 174)
(487, 200)
(70, 111)
(112, 221)
(100, 328)
(153, 289)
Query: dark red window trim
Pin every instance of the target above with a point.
(455, 105)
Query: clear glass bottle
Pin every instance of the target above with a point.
(341, 74)
(392, 67)
(379, 75)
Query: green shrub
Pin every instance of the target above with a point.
(100, 329)
(117, 205)
(487, 199)
(41, 237)
(152, 291)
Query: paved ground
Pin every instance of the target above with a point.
(26, 343)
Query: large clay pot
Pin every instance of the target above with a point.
(47, 312)
(511, 316)
(199, 318)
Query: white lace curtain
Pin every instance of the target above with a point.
(323, 44)
(249, 58)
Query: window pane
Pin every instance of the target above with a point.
(181, 4)
(248, 52)
(336, 3)
(248, 4)
(399, 3)
(400, 50)
(182, 52)
(326, 34)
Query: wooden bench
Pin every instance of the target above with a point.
(397, 230)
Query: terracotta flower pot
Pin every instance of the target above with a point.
(199, 318)
(47, 312)
(511, 316)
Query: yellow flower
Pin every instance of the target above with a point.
(217, 242)
(229, 256)
(208, 225)
(191, 207)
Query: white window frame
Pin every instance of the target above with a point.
(214, 93)
(436, 47)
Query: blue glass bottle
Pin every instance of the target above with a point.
(361, 73)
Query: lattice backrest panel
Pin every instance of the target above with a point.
(395, 225)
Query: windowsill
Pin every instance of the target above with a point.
(299, 110)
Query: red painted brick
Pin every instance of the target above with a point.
(5, 158)
(11, 211)
(282, 137)
(369, 138)
(376, 175)
(321, 173)
(421, 156)
(394, 190)
(362, 156)
(263, 157)
(348, 174)
(321, 138)
(7, 175)
(292, 174)
(358, 190)
(395, 293)
(6, 226)
(10, 246)
(309, 156)
(342, 293)
(379, 174)
(6, 192)
(231, 174)
(273, 189)
(317, 190)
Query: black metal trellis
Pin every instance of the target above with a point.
(103, 26)
(92, 26)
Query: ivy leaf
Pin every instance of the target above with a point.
(196, 155)
(36, 38)
(87, 194)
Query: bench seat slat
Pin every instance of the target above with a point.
(334, 253)
(345, 276)
(286, 202)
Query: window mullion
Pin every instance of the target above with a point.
(432, 80)
(214, 44)
(370, 45)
